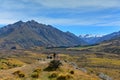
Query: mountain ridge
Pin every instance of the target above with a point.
(109, 37)
(31, 33)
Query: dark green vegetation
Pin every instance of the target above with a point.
(54, 65)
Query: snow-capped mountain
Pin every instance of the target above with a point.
(90, 39)
(94, 39)
(89, 36)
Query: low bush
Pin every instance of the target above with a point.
(65, 77)
(53, 75)
(38, 70)
(35, 75)
(19, 74)
(71, 72)
(53, 65)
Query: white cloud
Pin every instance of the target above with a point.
(12, 11)
(51, 21)
(6, 21)
(11, 5)
(112, 23)
(79, 3)
(69, 4)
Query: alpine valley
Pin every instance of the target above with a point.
(35, 51)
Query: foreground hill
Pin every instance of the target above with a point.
(26, 66)
(30, 34)
(29, 65)
(37, 71)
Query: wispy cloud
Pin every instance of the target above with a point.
(62, 12)
(78, 3)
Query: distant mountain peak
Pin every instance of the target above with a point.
(89, 36)
(32, 21)
(28, 22)
(19, 22)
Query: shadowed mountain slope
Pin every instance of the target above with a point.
(108, 37)
(31, 34)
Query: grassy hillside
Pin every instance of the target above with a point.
(111, 46)
(95, 63)
(32, 65)
(27, 69)
(7, 63)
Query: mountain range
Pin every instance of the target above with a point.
(108, 43)
(23, 35)
(96, 39)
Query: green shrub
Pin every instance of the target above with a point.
(53, 65)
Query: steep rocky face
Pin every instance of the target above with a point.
(31, 34)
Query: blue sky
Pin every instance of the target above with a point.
(77, 16)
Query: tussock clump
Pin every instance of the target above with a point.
(38, 70)
(53, 75)
(8, 63)
(71, 72)
(65, 77)
(35, 75)
(19, 74)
